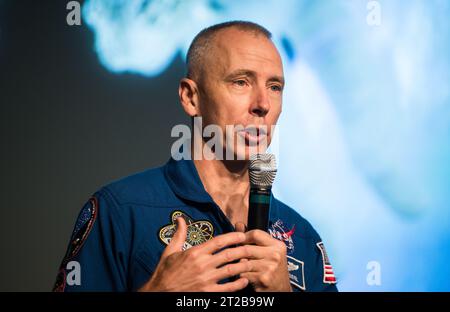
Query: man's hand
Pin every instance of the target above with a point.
(267, 260)
(201, 267)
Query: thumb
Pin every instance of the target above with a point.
(178, 239)
(240, 227)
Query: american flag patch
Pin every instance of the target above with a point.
(328, 274)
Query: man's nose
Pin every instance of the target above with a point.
(261, 104)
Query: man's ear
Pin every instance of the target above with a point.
(188, 93)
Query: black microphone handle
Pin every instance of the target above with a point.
(258, 209)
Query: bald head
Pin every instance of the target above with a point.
(201, 46)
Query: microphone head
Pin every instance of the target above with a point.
(262, 170)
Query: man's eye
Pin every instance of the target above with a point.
(240, 83)
(275, 88)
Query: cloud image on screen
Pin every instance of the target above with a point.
(364, 136)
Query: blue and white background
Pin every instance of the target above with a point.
(365, 130)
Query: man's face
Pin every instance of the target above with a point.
(242, 84)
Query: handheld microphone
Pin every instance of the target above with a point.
(262, 171)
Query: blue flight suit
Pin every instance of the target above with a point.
(123, 229)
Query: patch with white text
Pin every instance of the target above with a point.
(296, 269)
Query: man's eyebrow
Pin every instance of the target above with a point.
(241, 72)
(251, 73)
(279, 79)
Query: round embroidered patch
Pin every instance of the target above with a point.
(279, 231)
(198, 231)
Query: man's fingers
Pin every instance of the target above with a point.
(240, 227)
(252, 277)
(240, 253)
(236, 285)
(220, 242)
(257, 275)
(233, 269)
(178, 239)
(260, 238)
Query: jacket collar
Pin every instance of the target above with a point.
(184, 180)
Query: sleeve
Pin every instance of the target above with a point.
(324, 279)
(96, 258)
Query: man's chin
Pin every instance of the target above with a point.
(245, 152)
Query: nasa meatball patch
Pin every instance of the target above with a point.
(283, 233)
(198, 231)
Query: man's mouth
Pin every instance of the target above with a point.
(253, 135)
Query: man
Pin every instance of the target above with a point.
(182, 227)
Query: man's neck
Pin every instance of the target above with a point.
(227, 182)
